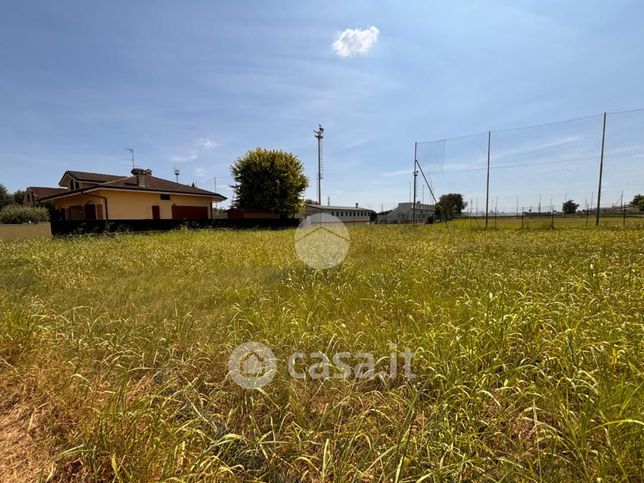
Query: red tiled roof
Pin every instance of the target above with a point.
(44, 192)
(92, 177)
(112, 182)
(152, 183)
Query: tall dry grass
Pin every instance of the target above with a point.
(528, 355)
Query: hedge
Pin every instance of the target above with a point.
(15, 214)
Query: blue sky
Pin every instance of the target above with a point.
(196, 84)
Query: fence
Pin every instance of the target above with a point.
(525, 175)
(76, 227)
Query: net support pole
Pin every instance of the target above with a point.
(601, 171)
(415, 177)
(487, 184)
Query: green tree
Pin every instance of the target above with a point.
(569, 207)
(18, 196)
(450, 205)
(638, 202)
(5, 197)
(269, 180)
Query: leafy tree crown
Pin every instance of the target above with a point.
(269, 180)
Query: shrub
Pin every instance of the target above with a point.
(23, 214)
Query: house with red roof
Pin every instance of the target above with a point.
(139, 196)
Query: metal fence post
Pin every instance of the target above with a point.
(487, 186)
(415, 176)
(623, 213)
(601, 172)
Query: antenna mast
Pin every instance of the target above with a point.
(131, 155)
(319, 135)
(177, 172)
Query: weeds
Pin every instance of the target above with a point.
(528, 355)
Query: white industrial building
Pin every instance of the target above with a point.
(404, 213)
(346, 214)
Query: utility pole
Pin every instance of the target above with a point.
(601, 171)
(319, 135)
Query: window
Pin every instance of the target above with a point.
(165, 197)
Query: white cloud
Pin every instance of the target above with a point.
(199, 146)
(207, 143)
(355, 41)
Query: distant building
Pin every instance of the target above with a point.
(346, 214)
(404, 213)
(249, 214)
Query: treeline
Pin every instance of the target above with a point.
(7, 198)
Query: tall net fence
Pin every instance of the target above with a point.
(545, 174)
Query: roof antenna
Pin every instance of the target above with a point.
(177, 172)
(132, 155)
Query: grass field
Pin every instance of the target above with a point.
(548, 222)
(24, 231)
(528, 345)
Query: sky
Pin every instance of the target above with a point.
(194, 85)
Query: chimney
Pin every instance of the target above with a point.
(141, 175)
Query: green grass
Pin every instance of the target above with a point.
(528, 355)
(549, 222)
